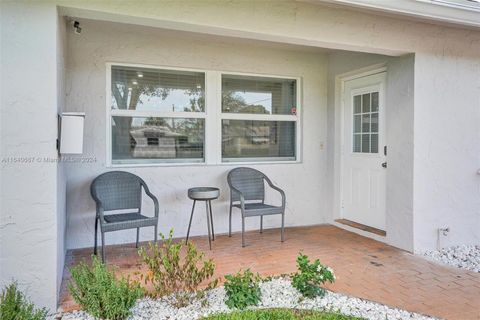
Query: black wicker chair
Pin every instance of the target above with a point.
(118, 190)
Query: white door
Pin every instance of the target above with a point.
(364, 151)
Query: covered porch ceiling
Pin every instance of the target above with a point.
(274, 38)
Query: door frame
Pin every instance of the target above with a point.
(339, 140)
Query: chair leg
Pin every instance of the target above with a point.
(230, 221)
(211, 219)
(243, 231)
(208, 226)
(283, 227)
(190, 223)
(103, 247)
(261, 224)
(96, 232)
(155, 233)
(138, 237)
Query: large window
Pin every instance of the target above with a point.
(161, 115)
(156, 115)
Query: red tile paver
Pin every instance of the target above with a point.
(364, 267)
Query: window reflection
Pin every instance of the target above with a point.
(156, 138)
(258, 95)
(257, 139)
(157, 90)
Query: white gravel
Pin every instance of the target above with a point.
(277, 293)
(465, 257)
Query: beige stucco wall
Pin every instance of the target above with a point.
(32, 217)
(100, 42)
(445, 184)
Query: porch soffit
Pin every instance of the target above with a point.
(219, 31)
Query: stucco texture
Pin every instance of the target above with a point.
(446, 157)
(442, 191)
(100, 43)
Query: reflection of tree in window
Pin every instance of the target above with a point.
(233, 102)
(132, 88)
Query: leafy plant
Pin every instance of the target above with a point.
(242, 289)
(311, 276)
(170, 274)
(14, 305)
(100, 293)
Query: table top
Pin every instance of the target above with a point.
(203, 193)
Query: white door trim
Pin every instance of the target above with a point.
(339, 139)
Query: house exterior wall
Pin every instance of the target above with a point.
(399, 134)
(446, 149)
(61, 174)
(100, 43)
(400, 153)
(445, 183)
(30, 233)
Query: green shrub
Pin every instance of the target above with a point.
(14, 305)
(170, 274)
(311, 276)
(100, 293)
(280, 314)
(242, 289)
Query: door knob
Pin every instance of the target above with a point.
(384, 165)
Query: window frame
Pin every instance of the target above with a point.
(381, 120)
(361, 114)
(212, 116)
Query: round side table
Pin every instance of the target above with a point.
(206, 194)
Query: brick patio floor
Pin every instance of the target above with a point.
(365, 268)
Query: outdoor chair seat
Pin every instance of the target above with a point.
(118, 190)
(247, 193)
(123, 221)
(122, 217)
(259, 209)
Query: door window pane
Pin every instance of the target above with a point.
(374, 122)
(258, 95)
(365, 142)
(357, 123)
(374, 143)
(258, 139)
(366, 102)
(365, 123)
(144, 89)
(139, 139)
(357, 104)
(357, 143)
(374, 101)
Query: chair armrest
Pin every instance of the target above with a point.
(155, 200)
(242, 198)
(274, 187)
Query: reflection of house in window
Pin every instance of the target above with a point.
(152, 141)
(155, 142)
(259, 135)
(248, 138)
(163, 142)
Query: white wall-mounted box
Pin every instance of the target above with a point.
(71, 132)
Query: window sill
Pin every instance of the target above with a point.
(201, 164)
